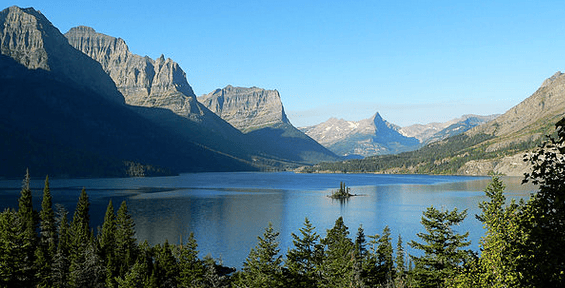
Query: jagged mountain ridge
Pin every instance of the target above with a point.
(436, 131)
(259, 113)
(368, 137)
(55, 122)
(29, 38)
(162, 83)
(142, 80)
(496, 146)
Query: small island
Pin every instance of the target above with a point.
(342, 193)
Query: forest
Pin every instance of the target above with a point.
(523, 246)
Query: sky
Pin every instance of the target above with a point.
(411, 61)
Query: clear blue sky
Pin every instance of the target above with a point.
(412, 61)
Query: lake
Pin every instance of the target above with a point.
(227, 211)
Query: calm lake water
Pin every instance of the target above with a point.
(227, 211)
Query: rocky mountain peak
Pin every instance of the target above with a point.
(29, 38)
(142, 80)
(367, 137)
(246, 109)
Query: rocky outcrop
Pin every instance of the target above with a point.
(246, 109)
(368, 137)
(142, 80)
(30, 39)
(513, 165)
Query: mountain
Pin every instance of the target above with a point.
(368, 137)
(61, 114)
(496, 146)
(436, 131)
(259, 113)
(246, 109)
(162, 83)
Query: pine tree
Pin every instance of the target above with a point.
(303, 260)
(338, 261)
(83, 256)
(28, 221)
(262, 268)
(191, 268)
(12, 249)
(61, 261)
(443, 256)
(125, 240)
(45, 251)
(165, 266)
(107, 243)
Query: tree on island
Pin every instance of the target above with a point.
(342, 193)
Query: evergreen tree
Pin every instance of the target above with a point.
(125, 240)
(303, 260)
(83, 256)
(543, 264)
(443, 257)
(165, 266)
(262, 268)
(61, 261)
(191, 268)
(360, 259)
(499, 245)
(28, 222)
(338, 261)
(379, 266)
(45, 251)
(107, 243)
(12, 250)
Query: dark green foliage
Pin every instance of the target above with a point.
(125, 249)
(61, 261)
(543, 264)
(263, 266)
(13, 248)
(303, 260)
(443, 257)
(342, 193)
(165, 266)
(338, 261)
(47, 246)
(191, 268)
(28, 227)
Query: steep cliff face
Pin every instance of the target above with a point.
(259, 113)
(368, 137)
(61, 114)
(142, 80)
(246, 109)
(30, 39)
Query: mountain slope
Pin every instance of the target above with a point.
(498, 145)
(61, 114)
(260, 114)
(432, 132)
(368, 137)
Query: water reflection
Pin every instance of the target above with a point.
(228, 211)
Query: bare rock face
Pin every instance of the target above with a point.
(28, 37)
(142, 80)
(246, 109)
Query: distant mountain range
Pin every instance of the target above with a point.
(82, 105)
(375, 136)
(496, 146)
(108, 112)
